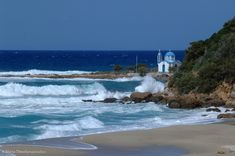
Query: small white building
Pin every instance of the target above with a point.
(169, 61)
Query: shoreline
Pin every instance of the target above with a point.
(92, 75)
(192, 140)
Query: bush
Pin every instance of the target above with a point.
(117, 68)
(142, 69)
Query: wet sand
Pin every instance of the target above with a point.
(197, 140)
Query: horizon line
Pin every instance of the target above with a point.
(88, 50)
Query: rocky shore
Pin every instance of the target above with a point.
(92, 75)
(224, 96)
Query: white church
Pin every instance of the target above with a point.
(166, 62)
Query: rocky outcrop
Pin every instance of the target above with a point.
(184, 102)
(156, 97)
(191, 101)
(126, 99)
(140, 97)
(187, 101)
(227, 93)
(226, 116)
(110, 100)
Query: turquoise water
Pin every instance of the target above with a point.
(32, 109)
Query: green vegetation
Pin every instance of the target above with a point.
(208, 63)
(142, 69)
(117, 68)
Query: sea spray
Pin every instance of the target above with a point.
(149, 84)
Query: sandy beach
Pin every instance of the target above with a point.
(188, 140)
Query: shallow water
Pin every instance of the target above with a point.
(32, 109)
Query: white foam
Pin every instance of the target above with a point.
(46, 72)
(90, 122)
(16, 90)
(126, 79)
(149, 84)
(68, 128)
(96, 90)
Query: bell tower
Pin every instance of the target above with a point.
(159, 56)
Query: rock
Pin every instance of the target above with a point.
(190, 102)
(220, 152)
(233, 110)
(126, 99)
(213, 110)
(110, 100)
(140, 97)
(87, 100)
(211, 101)
(174, 104)
(155, 98)
(230, 103)
(232, 95)
(226, 116)
(184, 102)
(227, 110)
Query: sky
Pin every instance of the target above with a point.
(109, 24)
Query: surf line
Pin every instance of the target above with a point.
(67, 143)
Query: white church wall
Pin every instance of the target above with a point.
(160, 67)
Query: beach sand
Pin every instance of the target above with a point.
(189, 140)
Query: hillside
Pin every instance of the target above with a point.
(208, 63)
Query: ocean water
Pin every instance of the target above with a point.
(33, 108)
(75, 60)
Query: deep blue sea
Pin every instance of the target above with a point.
(37, 108)
(76, 60)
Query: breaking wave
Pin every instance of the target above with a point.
(46, 72)
(96, 91)
(68, 128)
(149, 84)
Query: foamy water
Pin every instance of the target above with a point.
(46, 72)
(46, 108)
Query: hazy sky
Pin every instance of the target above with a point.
(109, 24)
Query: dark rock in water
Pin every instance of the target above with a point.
(227, 110)
(110, 100)
(233, 110)
(155, 98)
(87, 100)
(226, 116)
(126, 99)
(140, 97)
(213, 110)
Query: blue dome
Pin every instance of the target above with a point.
(170, 54)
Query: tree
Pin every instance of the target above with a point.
(142, 69)
(117, 68)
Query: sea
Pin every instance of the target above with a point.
(41, 108)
